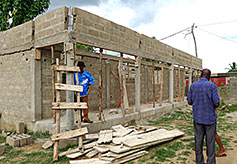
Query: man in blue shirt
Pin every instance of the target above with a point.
(85, 80)
(203, 96)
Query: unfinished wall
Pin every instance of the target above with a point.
(96, 31)
(17, 38)
(26, 78)
(15, 82)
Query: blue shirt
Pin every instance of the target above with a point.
(203, 95)
(84, 80)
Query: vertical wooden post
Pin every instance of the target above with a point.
(58, 97)
(108, 83)
(128, 71)
(121, 84)
(179, 83)
(100, 84)
(53, 81)
(137, 85)
(184, 84)
(154, 85)
(80, 144)
(161, 82)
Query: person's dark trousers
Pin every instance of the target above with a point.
(201, 130)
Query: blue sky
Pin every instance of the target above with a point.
(216, 22)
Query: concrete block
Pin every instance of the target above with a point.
(13, 141)
(20, 127)
(22, 140)
(2, 148)
(28, 139)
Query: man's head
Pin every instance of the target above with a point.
(81, 64)
(206, 73)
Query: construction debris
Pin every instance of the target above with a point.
(19, 140)
(47, 144)
(121, 144)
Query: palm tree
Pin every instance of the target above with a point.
(233, 67)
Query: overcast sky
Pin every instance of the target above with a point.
(216, 21)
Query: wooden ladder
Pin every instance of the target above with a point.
(58, 106)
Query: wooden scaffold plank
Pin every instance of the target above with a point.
(65, 68)
(69, 105)
(69, 134)
(68, 87)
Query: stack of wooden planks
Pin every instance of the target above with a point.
(120, 144)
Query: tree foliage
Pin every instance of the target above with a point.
(20, 11)
(233, 67)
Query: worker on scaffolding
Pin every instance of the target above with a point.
(85, 80)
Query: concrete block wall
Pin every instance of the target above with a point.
(99, 32)
(16, 38)
(16, 84)
(51, 23)
(229, 92)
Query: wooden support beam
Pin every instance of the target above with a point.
(154, 85)
(122, 92)
(68, 87)
(58, 97)
(37, 53)
(69, 134)
(128, 71)
(66, 68)
(80, 141)
(179, 84)
(100, 84)
(53, 81)
(69, 105)
(184, 83)
(161, 82)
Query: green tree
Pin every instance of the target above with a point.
(233, 67)
(20, 11)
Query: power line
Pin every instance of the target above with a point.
(186, 29)
(211, 24)
(217, 35)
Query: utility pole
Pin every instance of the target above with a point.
(195, 44)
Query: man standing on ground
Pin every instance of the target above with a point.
(85, 80)
(203, 96)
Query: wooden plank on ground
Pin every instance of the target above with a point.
(69, 134)
(47, 144)
(92, 153)
(92, 136)
(121, 131)
(105, 136)
(66, 68)
(67, 87)
(119, 149)
(101, 148)
(90, 161)
(151, 137)
(78, 154)
(69, 105)
(120, 155)
(130, 157)
(69, 151)
(90, 145)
